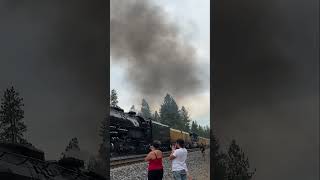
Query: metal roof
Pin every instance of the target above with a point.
(155, 122)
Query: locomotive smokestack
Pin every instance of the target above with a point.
(160, 61)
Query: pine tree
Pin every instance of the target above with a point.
(92, 164)
(194, 127)
(219, 160)
(133, 109)
(104, 130)
(207, 132)
(237, 164)
(99, 164)
(103, 134)
(73, 145)
(73, 149)
(102, 156)
(169, 112)
(185, 119)
(145, 109)
(165, 109)
(156, 116)
(200, 130)
(11, 114)
(114, 98)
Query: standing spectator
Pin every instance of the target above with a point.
(202, 148)
(155, 167)
(178, 157)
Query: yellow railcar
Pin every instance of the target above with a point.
(178, 134)
(175, 134)
(187, 138)
(203, 141)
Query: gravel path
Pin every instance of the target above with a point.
(198, 167)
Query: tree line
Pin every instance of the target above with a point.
(169, 114)
(231, 164)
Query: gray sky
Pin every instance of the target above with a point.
(192, 18)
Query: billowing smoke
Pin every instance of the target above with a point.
(266, 74)
(158, 59)
(53, 52)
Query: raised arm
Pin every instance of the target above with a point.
(173, 154)
(148, 157)
(172, 157)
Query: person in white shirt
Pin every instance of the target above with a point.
(178, 157)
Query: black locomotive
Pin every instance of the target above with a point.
(132, 134)
(128, 133)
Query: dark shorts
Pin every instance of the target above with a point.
(155, 174)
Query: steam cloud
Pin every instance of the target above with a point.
(159, 60)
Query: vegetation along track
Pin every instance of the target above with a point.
(127, 160)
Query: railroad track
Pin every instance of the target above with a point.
(132, 159)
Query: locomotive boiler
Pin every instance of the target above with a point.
(129, 133)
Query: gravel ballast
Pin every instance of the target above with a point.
(197, 165)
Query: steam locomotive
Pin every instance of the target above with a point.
(132, 134)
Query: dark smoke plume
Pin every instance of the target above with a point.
(159, 60)
(266, 74)
(53, 52)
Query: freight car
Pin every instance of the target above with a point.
(178, 134)
(203, 141)
(132, 134)
(192, 140)
(19, 162)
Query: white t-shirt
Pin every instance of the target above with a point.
(179, 163)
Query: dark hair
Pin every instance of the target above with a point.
(156, 144)
(180, 142)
